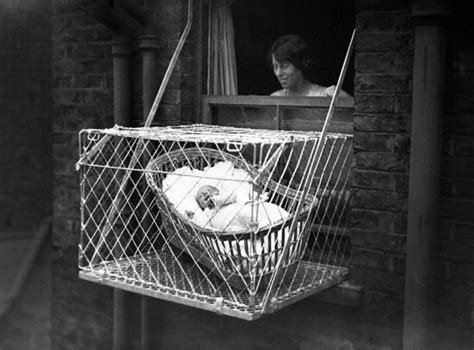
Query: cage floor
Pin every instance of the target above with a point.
(178, 279)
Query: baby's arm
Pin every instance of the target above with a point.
(224, 198)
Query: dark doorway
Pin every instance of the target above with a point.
(327, 25)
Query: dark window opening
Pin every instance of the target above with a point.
(327, 25)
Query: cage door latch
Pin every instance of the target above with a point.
(233, 146)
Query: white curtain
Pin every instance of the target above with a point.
(222, 69)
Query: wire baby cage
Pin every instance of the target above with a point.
(239, 221)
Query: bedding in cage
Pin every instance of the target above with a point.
(239, 221)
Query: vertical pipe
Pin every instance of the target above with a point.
(121, 51)
(199, 60)
(119, 331)
(148, 44)
(425, 158)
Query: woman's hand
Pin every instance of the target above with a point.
(331, 90)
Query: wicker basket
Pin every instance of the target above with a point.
(228, 254)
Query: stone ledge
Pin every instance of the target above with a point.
(346, 293)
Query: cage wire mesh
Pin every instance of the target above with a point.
(238, 221)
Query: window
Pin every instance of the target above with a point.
(327, 25)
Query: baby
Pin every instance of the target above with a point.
(210, 197)
(226, 213)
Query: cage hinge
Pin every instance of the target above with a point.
(219, 305)
(272, 306)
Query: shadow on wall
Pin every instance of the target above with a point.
(26, 104)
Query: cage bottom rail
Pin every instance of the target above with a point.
(182, 282)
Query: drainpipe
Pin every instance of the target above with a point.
(121, 51)
(429, 19)
(148, 45)
(109, 14)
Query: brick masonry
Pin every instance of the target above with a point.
(456, 234)
(383, 78)
(82, 97)
(383, 63)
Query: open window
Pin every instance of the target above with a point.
(326, 25)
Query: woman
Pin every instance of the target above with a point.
(290, 58)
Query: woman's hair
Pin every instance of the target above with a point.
(294, 49)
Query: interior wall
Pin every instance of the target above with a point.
(326, 25)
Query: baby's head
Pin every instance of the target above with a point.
(205, 196)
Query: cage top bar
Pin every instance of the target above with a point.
(211, 133)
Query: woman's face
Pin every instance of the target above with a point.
(287, 74)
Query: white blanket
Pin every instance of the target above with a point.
(246, 210)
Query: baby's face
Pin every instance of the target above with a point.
(205, 196)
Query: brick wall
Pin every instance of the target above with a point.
(383, 65)
(456, 235)
(382, 126)
(25, 105)
(82, 63)
(178, 102)
(83, 98)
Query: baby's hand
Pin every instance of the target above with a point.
(225, 198)
(264, 196)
